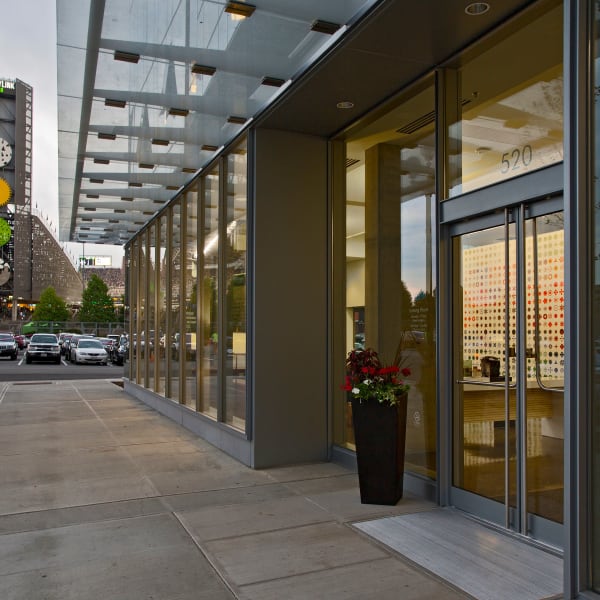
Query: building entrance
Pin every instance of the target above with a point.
(508, 368)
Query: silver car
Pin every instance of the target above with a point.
(89, 351)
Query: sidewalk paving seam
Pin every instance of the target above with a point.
(217, 568)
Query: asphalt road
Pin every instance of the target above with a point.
(19, 370)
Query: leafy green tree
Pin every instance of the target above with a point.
(96, 304)
(51, 307)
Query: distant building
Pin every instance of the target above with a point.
(31, 259)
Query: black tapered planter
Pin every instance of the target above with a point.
(380, 438)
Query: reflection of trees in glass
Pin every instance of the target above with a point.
(236, 304)
(236, 287)
(209, 302)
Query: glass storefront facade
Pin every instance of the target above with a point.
(188, 285)
(594, 362)
(453, 261)
(391, 256)
(505, 109)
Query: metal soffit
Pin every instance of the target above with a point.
(149, 91)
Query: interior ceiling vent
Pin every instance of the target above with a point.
(423, 120)
(351, 161)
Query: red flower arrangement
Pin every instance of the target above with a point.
(368, 380)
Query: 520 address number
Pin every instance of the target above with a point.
(516, 159)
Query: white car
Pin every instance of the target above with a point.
(8, 346)
(43, 346)
(89, 351)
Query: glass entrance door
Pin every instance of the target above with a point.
(508, 370)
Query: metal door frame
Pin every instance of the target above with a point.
(519, 523)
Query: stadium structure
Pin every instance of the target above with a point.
(31, 258)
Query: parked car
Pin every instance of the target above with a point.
(43, 346)
(8, 346)
(108, 344)
(62, 339)
(22, 341)
(71, 342)
(190, 346)
(115, 337)
(120, 351)
(89, 351)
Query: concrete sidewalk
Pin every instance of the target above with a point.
(103, 498)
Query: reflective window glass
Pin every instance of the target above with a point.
(185, 348)
(390, 259)
(505, 106)
(235, 288)
(151, 310)
(209, 321)
(595, 354)
(162, 303)
(175, 297)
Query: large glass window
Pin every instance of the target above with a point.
(185, 348)
(209, 321)
(151, 310)
(134, 307)
(236, 210)
(507, 102)
(390, 258)
(142, 295)
(595, 355)
(175, 285)
(189, 272)
(162, 304)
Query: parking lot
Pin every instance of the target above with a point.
(18, 370)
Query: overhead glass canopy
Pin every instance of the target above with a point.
(149, 91)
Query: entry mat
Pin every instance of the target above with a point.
(486, 564)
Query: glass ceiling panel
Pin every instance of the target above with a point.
(151, 90)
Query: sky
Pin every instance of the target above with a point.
(28, 53)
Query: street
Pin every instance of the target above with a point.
(18, 370)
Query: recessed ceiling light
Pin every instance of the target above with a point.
(114, 103)
(272, 81)
(203, 69)
(345, 104)
(129, 57)
(188, 170)
(92, 180)
(92, 196)
(106, 136)
(159, 142)
(324, 27)
(236, 120)
(209, 148)
(134, 184)
(146, 166)
(102, 161)
(477, 8)
(239, 9)
(179, 112)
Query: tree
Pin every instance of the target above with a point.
(96, 305)
(51, 307)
